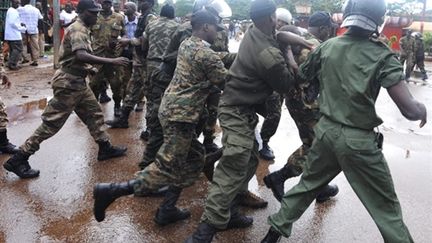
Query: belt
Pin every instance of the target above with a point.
(76, 72)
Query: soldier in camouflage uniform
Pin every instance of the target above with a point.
(303, 108)
(407, 45)
(71, 94)
(137, 86)
(181, 157)
(109, 27)
(5, 146)
(420, 55)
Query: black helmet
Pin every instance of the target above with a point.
(365, 14)
(217, 7)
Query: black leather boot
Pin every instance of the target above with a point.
(266, 152)
(122, 121)
(237, 220)
(5, 146)
(106, 193)
(275, 181)
(103, 97)
(272, 236)
(167, 212)
(326, 193)
(210, 160)
(108, 151)
(19, 165)
(203, 234)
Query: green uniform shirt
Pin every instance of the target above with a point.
(257, 71)
(198, 67)
(158, 34)
(350, 71)
(105, 32)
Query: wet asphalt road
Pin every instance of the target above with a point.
(57, 206)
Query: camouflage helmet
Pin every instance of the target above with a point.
(217, 7)
(365, 14)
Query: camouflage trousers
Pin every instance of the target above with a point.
(305, 120)
(135, 88)
(272, 117)
(125, 74)
(212, 104)
(410, 62)
(160, 81)
(3, 117)
(58, 110)
(107, 73)
(178, 162)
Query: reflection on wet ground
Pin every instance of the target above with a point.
(57, 207)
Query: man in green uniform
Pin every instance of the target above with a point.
(345, 138)
(257, 71)
(274, 102)
(108, 28)
(71, 94)
(302, 105)
(180, 159)
(5, 146)
(407, 44)
(419, 54)
(137, 86)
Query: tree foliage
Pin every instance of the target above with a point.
(183, 7)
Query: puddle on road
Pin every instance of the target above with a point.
(26, 110)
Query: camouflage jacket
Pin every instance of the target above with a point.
(158, 35)
(198, 68)
(76, 37)
(407, 45)
(138, 54)
(106, 32)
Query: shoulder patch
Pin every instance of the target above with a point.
(270, 57)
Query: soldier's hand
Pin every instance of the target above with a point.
(123, 42)
(424, 118)
(6, 82)
(122, 61)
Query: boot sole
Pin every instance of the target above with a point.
(162, 222)
(98, 217)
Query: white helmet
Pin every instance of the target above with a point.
(284, 15)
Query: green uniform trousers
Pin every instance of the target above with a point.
(179, 161)
(355, 152)
(58, 110)
(110, 73)
(237, 165)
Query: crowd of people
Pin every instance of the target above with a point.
(190, 81)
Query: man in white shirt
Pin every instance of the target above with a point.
(30, 16)
(13, 29)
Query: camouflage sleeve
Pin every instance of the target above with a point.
(309, 69)
(80, 40)
(275, 70)
(212, 63)
(227, 58)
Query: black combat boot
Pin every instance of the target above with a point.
(5, 146)
(106, 193)
(145, 135)
(19, 165)
(167, 212)
(275, 181)
(424, 76)
(209, 145)
(122, 121)
(108, 151)
(272, 236)
(326, 193)
(210, 160)
(103, 97)
(266, 152)
(237, 220)
(203, 234)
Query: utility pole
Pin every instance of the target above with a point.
(56, 32)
